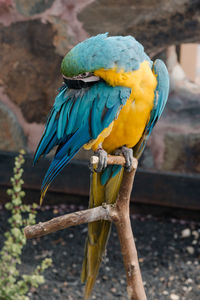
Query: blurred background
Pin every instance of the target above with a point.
(35, 35)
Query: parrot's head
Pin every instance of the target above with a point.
(80, 65)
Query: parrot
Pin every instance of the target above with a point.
(111, 98)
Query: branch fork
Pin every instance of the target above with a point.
(118, 214)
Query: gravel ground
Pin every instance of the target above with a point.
(168, 252)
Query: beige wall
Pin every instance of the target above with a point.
(188, 60)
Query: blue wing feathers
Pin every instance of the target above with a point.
(106, 174)
(109, 172)
(72, 115)
(111, 98)
(54, 140)
(70, 127)
(51, 123)
(109, 115)
(61, 122)
(161, 92)
(44, 143)
(124, 95)
(60, 99)
(65, 154)
(96, 125)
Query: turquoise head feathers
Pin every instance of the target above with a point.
(105, 52)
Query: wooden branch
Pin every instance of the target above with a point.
(135, 288)
(68, 220)
(85, 216)
(118, 214)
(113, 160)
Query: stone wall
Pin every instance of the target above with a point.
(34, 36)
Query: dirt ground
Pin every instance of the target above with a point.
(168, 249)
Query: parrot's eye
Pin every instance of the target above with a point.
(85, 74)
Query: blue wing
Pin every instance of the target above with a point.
(77, 117)
(160, 100)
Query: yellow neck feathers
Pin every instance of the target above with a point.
(136, 80)
(129, 127)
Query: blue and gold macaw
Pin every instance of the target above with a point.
(112, 97)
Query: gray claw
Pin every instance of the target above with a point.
(118, 152)
(103, 158)
(128, 155)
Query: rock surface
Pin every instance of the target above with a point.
(11, 134)
(30, 69)
(32, 7)
(155, 24)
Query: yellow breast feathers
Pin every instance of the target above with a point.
(129, 126)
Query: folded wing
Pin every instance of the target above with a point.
(77, 117)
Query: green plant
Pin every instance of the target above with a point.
(13, 285)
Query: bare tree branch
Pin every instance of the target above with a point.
(118, 214)
(135, 288)
(112, 160)
(68, 220)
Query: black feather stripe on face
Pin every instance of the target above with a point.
(78, 84)
(81, 81)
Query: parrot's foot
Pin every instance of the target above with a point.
(128, 155)
(103, 158)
